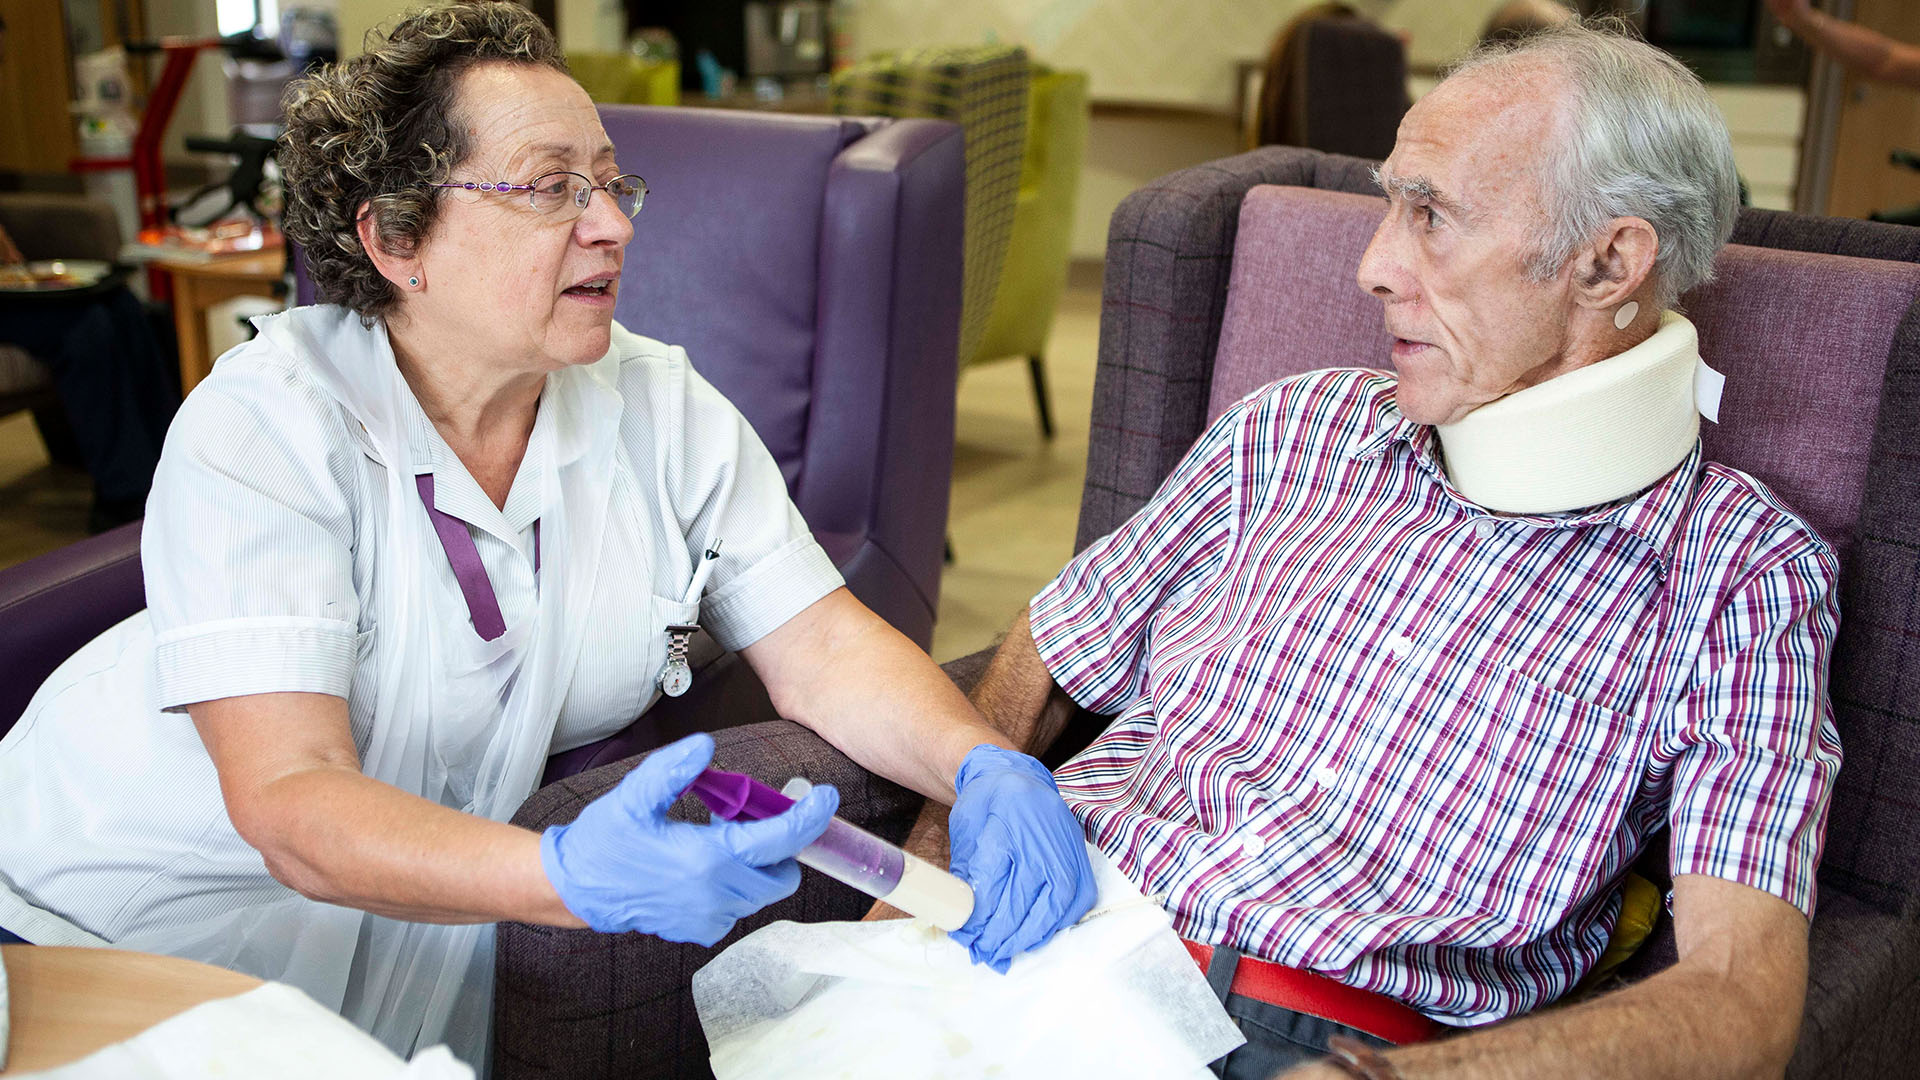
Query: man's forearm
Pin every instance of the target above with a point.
(1017, 693)
(1681, 1024)
(1019, 699)
(1858, 49)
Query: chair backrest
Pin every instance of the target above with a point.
(984, 90)
(1335, 82)
(1802, 339)
(1034, 273)
(725, 258)
(811, 267)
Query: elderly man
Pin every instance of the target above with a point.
(1405, 671)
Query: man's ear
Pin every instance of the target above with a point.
(1611, 271)
(396, 268)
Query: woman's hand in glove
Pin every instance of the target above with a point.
(622, 865)
(1021, 850)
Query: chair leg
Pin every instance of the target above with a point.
(1037, 366)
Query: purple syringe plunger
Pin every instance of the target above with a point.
(737, 796)
(846, 853)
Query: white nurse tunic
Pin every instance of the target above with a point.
(283, 551)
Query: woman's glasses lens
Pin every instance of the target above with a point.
(557, 190)
(569, 193)
(628, 192)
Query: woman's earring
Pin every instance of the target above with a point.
(414, 282)
(1625, 315)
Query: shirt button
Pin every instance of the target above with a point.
(1251, 846)
(1398, 645)
(1326, 776)
(1486, 528)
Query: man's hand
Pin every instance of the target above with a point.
(9, 254)
(1729, 1008)
(1021, 850)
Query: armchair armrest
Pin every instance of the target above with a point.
(890, 279)
(52, 605)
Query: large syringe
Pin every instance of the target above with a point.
(846, 853)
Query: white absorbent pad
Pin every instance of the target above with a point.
(271, 1031)
(1116, 996)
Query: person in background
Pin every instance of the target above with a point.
(111, 374)
(1864, 52)
(113, 377)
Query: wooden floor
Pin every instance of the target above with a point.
(1016, 497)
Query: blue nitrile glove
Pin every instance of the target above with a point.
(1023, 852)
(623, 866)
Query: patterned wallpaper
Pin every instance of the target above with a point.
(1148, 50)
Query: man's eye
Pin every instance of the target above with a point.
(1433, 219)
(556, 186)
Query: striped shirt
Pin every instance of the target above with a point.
(1366, 727)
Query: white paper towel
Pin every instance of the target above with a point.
(271, 1031)
(1116, 996)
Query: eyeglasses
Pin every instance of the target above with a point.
(566, 193)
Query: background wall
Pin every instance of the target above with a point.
(1162, 74)
(1151, 50)
(1182, 58)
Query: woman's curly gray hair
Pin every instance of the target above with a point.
(377, 129)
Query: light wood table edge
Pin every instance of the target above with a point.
(199, 286)
(65, 1003)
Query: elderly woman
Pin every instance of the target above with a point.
(402, 548)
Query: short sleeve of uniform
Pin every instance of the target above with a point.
(1755, 749)
(725, 486)
(1091, 623)
(247, 546)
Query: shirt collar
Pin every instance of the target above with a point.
(1653, 515)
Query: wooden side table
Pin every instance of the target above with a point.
(65, 1003)
(199, 286)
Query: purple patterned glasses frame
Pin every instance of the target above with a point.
(568, 192)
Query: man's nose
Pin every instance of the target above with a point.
(1382, 271)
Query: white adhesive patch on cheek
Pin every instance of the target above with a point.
(1624, 316)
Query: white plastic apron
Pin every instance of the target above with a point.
(413, 984)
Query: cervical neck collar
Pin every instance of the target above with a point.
(1593, 435)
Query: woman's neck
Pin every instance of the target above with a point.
(485, 415)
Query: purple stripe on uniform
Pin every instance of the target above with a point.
(464, 556)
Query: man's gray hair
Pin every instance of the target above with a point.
(1639, 137)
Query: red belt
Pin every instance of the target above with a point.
(1317, 995)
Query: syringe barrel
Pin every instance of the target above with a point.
(853, 856)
